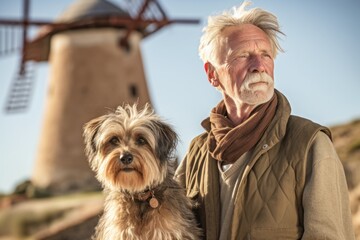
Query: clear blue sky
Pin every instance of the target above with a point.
(317, 72)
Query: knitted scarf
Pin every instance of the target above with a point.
(228, 142)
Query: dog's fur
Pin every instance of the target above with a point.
(131, 152)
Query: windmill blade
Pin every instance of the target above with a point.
(10, 39)
(21, 89)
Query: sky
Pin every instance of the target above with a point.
(317, 72)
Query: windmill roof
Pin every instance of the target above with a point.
(84, 9)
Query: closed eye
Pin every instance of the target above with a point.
(239, 57)
(242, 56)
(266, 54)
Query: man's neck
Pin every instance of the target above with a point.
(238, 112)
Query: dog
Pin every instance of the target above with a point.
(132, 154)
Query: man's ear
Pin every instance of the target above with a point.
(211, 74)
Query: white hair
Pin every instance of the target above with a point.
(237, 16)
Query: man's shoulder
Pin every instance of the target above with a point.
(301, 125)
(301, 120)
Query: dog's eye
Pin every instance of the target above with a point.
(114, 141)
(140, 141)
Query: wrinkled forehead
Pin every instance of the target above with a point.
(236, 37)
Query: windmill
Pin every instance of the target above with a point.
(94, 50)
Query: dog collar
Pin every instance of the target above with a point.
(148, 196)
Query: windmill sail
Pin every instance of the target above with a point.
(10, 39)
(21, 89)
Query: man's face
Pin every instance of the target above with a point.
(245, 65)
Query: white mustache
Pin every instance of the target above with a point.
(257, 77)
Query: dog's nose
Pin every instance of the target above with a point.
(126, 158)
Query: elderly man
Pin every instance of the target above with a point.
(258, 172)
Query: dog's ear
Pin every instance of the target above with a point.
(167, 141)
(90, 131)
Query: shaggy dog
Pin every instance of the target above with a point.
(131, 152)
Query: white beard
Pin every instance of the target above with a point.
(257, 88)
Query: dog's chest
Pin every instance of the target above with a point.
(141, 221)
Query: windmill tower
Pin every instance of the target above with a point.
(94, 51)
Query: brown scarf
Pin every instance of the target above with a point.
(228, 142)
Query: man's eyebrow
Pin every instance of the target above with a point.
(265, 51)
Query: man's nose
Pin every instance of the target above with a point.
(257, 64)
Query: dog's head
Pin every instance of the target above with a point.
(130, 148)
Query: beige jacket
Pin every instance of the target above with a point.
(283, 190)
